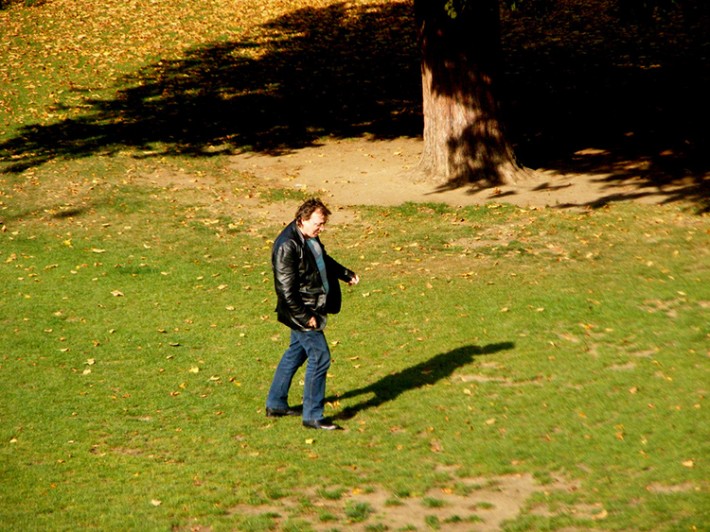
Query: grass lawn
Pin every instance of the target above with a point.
(484, 342)
(496, 368)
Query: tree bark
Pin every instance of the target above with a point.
(464, 141)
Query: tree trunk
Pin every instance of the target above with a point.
(463, 136)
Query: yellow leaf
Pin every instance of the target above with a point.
(603, 514)
(194, 369)
(689, 463)
(310, 441)
(117, 293)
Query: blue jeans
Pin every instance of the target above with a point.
(310, 346)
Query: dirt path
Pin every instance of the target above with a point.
(363, 172)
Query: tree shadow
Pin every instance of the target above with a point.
(424, 374)
(581, 92)
(599, 94)
(340, 71)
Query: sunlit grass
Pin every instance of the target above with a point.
(139, 342)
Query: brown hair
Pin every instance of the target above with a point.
(308, 207)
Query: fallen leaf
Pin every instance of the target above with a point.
(603, 514)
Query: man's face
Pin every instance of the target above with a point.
(312, 227)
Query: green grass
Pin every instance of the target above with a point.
(137, 352)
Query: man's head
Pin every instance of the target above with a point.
(311, 217)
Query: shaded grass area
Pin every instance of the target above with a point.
(139, 341)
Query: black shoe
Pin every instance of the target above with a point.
(322, 424)
(281, 412)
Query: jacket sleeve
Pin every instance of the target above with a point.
(335, 269)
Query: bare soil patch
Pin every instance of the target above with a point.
(386, 172)
(485, 505)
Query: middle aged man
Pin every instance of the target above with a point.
(306, 282)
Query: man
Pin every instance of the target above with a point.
(306, 282)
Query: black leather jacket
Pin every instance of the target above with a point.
(299, 288)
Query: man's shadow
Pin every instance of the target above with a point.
(429, 372)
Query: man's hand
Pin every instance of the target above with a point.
(312, 323)
(354, 280)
